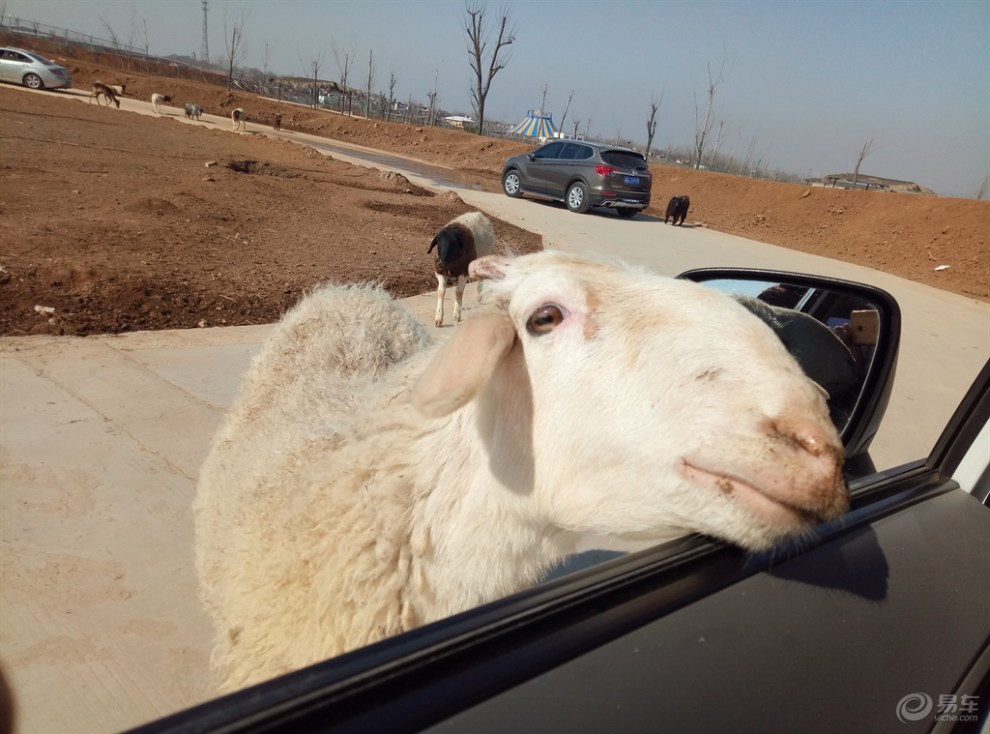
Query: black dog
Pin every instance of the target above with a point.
(677, 208)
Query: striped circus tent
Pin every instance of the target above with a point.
(536, 125)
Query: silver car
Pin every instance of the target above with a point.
(32, 70)
(582, 175)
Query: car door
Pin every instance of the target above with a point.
(8, 65)
(540, 169)
(560, 171)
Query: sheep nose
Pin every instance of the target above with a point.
(805, 434)
(815, 455)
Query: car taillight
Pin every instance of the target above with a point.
(605, 171)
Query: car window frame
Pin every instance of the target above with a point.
(568, 145)
(557, 145)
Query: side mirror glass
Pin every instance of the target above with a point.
(844, 335)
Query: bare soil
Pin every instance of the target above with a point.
(112, 221)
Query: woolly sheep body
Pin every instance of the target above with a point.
(367, 480)
(458, 243)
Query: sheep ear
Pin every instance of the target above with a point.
(489, 267)
(434, 243)
(464, 365)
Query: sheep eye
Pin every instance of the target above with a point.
(544, 320)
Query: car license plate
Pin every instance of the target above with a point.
(632, 180)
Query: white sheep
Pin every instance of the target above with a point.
(157, 100)
(239, 118)
(458, 243)
(367, 480)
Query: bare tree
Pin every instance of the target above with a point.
(312, 68)
(864, 150)
(266, 59)
(391, 94)
(576, 123)
(430, 115)
(135, 30)
(730, 166)
(144, 32)
(233, 41)
(315, 65)
(567, 108)
(651, 123)
(371, 78)
(478, 39)
(748, 162)
(982, 191)
(704, 126)
(432, 96)
(344, 68)
(113, 39)
(713, 158)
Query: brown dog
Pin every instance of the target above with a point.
(99, 88)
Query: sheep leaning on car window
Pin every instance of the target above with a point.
(368, 480)
(458, 243)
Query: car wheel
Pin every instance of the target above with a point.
(627, 213)
(33, 81)
(511, 184)
(577, 198)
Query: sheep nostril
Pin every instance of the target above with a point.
(804, 435)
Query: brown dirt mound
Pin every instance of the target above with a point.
(186, 227)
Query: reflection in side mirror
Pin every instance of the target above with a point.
(844, 335)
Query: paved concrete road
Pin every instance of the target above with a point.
(101, 440)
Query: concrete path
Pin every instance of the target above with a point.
(101, 440)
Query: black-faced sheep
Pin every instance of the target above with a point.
(157, 100)
(239, 118)
(458, 243)
(367, 480)
(193, 111)
(677, 208)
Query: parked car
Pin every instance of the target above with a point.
(582, 175)
(879, 621)
(32, 70)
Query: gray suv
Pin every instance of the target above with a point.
(581, 175)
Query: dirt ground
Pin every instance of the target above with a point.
(112, 221)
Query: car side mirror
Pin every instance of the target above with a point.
(845, 336)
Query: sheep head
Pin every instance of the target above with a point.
(454, 246)
(627, 403)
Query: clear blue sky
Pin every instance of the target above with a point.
(806, 83)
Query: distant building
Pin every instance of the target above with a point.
(458, 121)
(870, 183)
